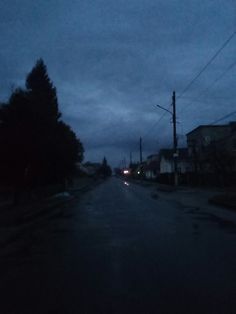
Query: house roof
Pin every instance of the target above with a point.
(208, 126)
(168, 153)
(153, 165)
(165, 152)
(151, 156)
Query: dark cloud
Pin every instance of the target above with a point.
(113, 61)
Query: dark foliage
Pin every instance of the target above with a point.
(105, 169)
(42, 94)
(37, 147)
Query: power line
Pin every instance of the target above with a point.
(224, 117)
(197, 76)
(150, 129)
(154, 125)
(210, 86)
(207, 64)
(219, 77)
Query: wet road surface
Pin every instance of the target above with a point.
(119, 250)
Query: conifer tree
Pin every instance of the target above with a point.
(37, 146)
(43, 93)
(105, 169)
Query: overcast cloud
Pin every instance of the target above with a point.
(112, 61)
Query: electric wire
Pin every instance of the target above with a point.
(224, 117)
(196, 77)
(231, 66)
(156, 123)
(197, 99)
(207, 64)
(199, 74)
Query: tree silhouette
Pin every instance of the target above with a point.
(37, 146)
(42, 93)
(15, 137)
(105, 169)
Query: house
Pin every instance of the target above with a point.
(212, 149)
(152, 167)
(201, 137)
(167, 161)
(226, 148)
(229, 142)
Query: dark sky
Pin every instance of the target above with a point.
(112, 61)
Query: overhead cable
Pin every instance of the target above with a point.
(207, 64)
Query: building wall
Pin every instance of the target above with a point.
(203, 136)
(166, 166)
(184, 166)
(150, 174)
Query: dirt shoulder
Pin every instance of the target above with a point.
(19, 223)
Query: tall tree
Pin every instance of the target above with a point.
(105, 169)
(56, 146)
(38, 147)
(43, 93)
(15, 136)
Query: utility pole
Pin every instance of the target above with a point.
(175, 144)
(141, 150)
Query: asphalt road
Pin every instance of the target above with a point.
(119, 250)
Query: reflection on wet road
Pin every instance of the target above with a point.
(121, 250)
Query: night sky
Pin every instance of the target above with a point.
(112, 61)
